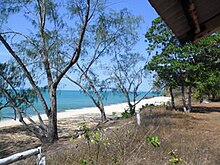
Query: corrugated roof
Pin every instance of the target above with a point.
(190, 20)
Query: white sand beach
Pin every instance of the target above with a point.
(93, 111)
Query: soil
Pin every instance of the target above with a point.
(193, 138)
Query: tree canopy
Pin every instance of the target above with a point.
(188, 65)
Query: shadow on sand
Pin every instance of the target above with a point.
(205, 109)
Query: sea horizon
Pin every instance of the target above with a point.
(74, 99)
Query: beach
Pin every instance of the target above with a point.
(93, 112)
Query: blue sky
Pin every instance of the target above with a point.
(143, 9)
(140, 8)
(136, 7)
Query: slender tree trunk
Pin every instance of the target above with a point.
(183, 97)
(209, 97)
(102, 109)
(213, 97)
(52, 118)
(100, 105)
(189, 99)
(42, 137)
(103, 115)
(172, 97)
(131, 108)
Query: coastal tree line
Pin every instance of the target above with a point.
(193, 67)
(66, 40)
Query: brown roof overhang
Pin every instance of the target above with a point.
(190, 20)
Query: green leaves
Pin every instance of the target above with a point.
(175, 159)
(10, 7)
(126, 114)
(153, 140)
(191, 64)
(83, 162)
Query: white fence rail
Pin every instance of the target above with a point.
(23, 155)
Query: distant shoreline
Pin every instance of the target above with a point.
(72, 99)
(92, 111)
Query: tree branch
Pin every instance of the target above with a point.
(84, 90)
(90, 83)
(26, 72)
(77, 51)
(44, 52)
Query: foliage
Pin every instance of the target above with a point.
(126, 114)
(85, 131)
(114, 113)
(182, 66)
(126, 72)
(153, 140)
(83, 162)
(175, 159)
(208, 62)
(108, 31)
(12, 78)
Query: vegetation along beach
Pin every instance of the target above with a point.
(109, 82)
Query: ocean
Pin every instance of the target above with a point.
(72, 99)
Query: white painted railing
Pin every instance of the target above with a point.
(23, 155)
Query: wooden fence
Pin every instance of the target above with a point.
(40, 160)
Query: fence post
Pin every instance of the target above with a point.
(138, 116)
(40, 160)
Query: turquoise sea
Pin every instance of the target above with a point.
(70, 99)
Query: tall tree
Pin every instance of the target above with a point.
(208, 61)
(165, 62)
(126, 71)
(177, 65)
(171, 60)
(107, 33)
(126, 75)
(46, 50)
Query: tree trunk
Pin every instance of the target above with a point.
(172, 98)
(42, 137)
(213, 97)
(131, 108)
(52, 118)
(189, 99)
(103, 115)
(102, 110)
(183, 98)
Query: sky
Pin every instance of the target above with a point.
(137, 7)
(146, 11)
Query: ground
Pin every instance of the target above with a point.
(190, 138)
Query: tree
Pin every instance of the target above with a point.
(126, 76)
(126, 72)
(181, 65)
(171, 61)
(108, 31)
(46, 51)
(208, 62)
(166, 48)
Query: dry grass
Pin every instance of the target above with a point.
(193, 136)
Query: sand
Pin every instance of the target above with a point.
(93, 111)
